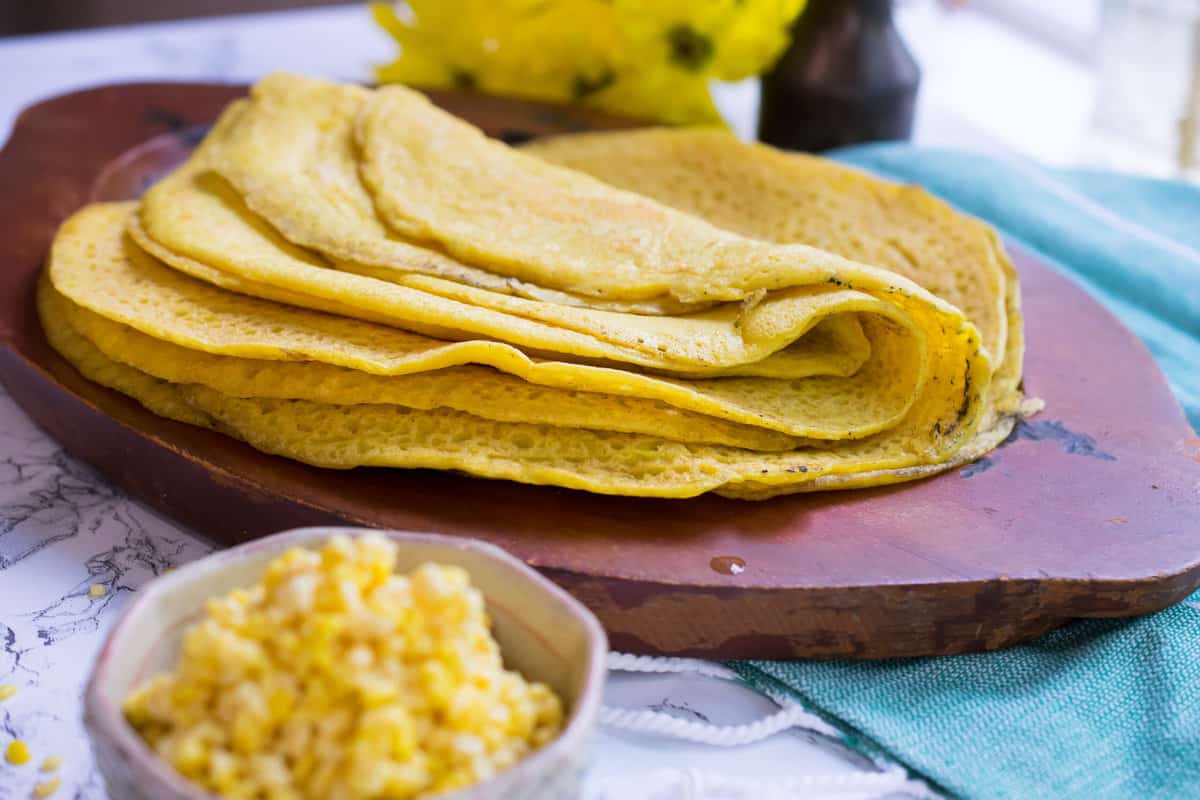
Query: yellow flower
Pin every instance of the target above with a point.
(676, 33)
(545, 50)
(644, 58)
(662, 95)
(727, 39)
(758, 34)
(435, 51)
(558, 51)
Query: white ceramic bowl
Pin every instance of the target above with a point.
(544, 633)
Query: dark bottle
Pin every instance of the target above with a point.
(846, 78)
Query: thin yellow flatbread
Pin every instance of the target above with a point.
(193, 221)
(161, 397)
(730, 335)
(303, 179)
(795, 198)
(341, 437)
(481, 391)
(95, 266)
(769, 194)
(346, 436)
(437, 178)
(349, 278)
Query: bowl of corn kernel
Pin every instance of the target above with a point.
(346, 664)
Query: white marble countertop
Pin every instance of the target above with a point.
(64, 530)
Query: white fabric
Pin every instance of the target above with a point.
(695, 784)
(789, 715)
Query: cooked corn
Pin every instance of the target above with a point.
(336, 677)
(17, 753)
(47, 787)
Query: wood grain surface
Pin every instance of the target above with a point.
(1091, 509)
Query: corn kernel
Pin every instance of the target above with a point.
(337, 677)
(97, 590)
(17, 753)
(7, 690)
(46, 788)
(51, 764)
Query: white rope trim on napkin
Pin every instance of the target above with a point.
(693, 784)
(662, 724)
(627, 662)
(790, 714)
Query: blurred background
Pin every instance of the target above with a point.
(1109, 84)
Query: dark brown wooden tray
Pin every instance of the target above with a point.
(1092, 509)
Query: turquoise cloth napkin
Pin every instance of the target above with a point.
(1099, 709)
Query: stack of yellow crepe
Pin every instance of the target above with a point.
(351, 277)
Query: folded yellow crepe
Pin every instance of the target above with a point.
(764, 193)
(98, 269)
(341, 436)
(356, 278)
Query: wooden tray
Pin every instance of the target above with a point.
(1093, 509)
